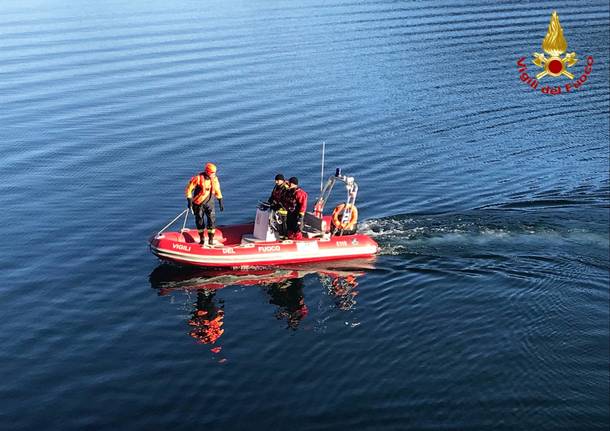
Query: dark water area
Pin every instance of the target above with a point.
(487, 307)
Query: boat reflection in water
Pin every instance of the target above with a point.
(206, 320)
(289, 299)
(283, 285)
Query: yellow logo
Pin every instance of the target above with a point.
(554, 44)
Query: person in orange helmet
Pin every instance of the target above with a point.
(199, 193)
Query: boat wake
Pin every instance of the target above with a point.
(486, 230)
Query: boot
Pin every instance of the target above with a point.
(211, 239)
(201, 238)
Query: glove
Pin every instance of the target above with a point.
(189, 203)
(222, 207)
(300, 223)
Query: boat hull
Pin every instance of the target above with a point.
(184, 248)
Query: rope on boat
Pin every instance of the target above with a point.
(172, 222)
(184, 224)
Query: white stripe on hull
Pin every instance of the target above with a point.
(266, 257)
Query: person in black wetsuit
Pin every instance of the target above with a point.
(276, 201)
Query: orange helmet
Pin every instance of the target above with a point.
(210, 168)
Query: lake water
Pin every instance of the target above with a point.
(487, 307)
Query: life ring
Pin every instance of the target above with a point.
(338, 215)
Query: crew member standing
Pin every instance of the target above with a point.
(296, 204)
(276, 202)
(199, 193)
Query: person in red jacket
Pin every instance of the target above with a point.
(199, 193)
(296, 204)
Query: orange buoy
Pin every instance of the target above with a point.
(338, 216)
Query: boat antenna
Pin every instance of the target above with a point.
(322, 169)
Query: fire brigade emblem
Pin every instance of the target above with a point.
(554, 44)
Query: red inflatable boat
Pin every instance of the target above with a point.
(259, 244)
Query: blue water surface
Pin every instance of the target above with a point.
(487, 307)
